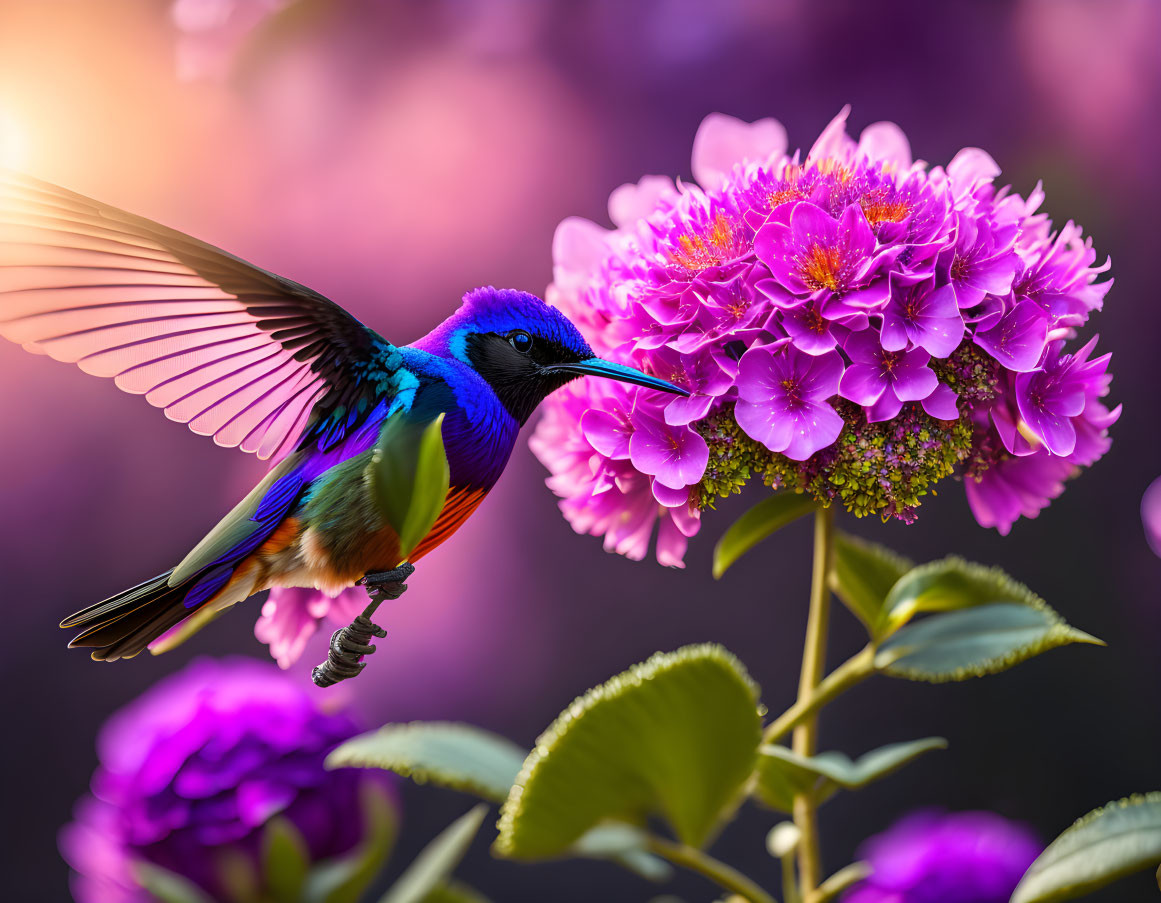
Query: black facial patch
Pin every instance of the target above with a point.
(517, 378)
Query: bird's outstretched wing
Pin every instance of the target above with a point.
(230, 349)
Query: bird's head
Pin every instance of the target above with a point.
(524, 348)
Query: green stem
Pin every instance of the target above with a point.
(724, 876)
(805, 738)
(789, 884)
(840, 881)
(854, 670)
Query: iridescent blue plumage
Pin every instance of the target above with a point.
(270, 366)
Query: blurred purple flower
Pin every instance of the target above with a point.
(1106, 106)
(192, 770)
(857, 289)
(934, 857)
(1151, 515)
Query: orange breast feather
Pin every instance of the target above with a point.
(458, 507)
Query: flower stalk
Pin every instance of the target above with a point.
(724, 876)
(839, 881)
(805, 738)
(854, 670)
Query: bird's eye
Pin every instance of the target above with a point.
(521, 341)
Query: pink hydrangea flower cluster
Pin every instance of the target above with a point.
(854, 324)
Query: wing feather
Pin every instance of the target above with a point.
(232, 350)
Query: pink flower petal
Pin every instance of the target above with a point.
(722, 142)
(833, 142)
(814, 430)
(942, 404)
(635, 201)
(1017, 341)
(971, 166)
(608, 433)
(884, 142)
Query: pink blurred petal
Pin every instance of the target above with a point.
(634, 201)
(885, 142)
(722, 142)
(833, 142)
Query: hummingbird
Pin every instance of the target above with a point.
(267, 365)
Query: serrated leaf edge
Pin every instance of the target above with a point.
(635, 676)
(1059, 633)
(420, 774)
(1019, 593)
(1084, 821)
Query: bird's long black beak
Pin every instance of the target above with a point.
(594, 366)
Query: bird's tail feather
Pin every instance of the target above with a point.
(125, 624)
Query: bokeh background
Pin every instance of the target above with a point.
(395, 154)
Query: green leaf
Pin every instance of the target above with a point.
(625, 845)
(974, 642)
(472, 760)
(437, 860)
(344, 879)
(949, 584)
(782, 773)
(409, 477)
(285, 860)
(448, 754)
(768, 516)
(675, 736)
(167, 886)
(1117, 840)
(876, 764)
(862, 575)
(454, 892)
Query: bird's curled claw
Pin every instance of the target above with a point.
(349, 644)
(383, 585)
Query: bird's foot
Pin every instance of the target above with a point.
(383, 585)
(351, 643)
(348, 645)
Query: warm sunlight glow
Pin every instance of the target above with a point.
(13, 143)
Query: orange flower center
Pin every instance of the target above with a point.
(719, 243)
(831, 166)
(878, 208)
(821, 267)
(775, 198)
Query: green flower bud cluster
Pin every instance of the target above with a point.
(974, 374)
(873, 468)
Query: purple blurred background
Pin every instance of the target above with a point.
(393, 155)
